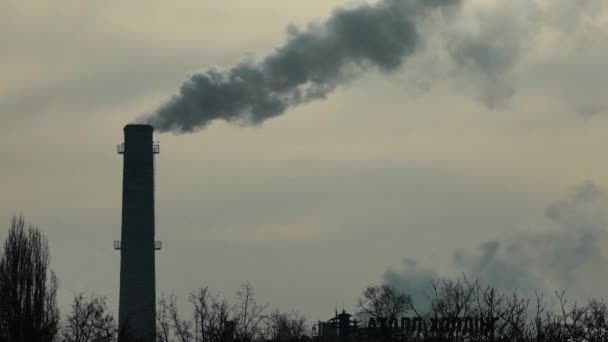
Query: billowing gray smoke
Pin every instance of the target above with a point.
(566, 256)
(307, 67)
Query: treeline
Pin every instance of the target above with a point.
(450, 305)
(29, 311)
(214, 317)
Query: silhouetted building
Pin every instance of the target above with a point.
(342, 328)
(228, 335)
(340, 325)
(137, 303)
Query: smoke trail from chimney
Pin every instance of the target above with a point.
(309, 66)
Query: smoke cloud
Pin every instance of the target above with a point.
(484, 43)
(565, 256)
(307, 67)
(489, 42)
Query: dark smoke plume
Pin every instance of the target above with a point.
(307, 67)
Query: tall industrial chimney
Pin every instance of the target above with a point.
(137, 304)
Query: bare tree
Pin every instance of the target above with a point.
(170, 323)
(286, 326)
(456, 304)
(208, 324)
(28, 289)
(164, 318)
(383, 302)
(248, 314)
(509, 317)
(211, 312)
(89, 321)
(596, 323)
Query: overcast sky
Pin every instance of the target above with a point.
(487, 143)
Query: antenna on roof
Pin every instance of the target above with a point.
(336, 308)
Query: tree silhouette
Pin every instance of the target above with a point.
(383, 302)
(211, 312)
(89, 321)
(506, 317)
(286, 326)
(169, 323)
(248, 314)
(208, 324)
(28, 289)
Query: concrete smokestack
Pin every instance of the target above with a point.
(137, 306)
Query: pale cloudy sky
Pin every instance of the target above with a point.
(491, 134)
